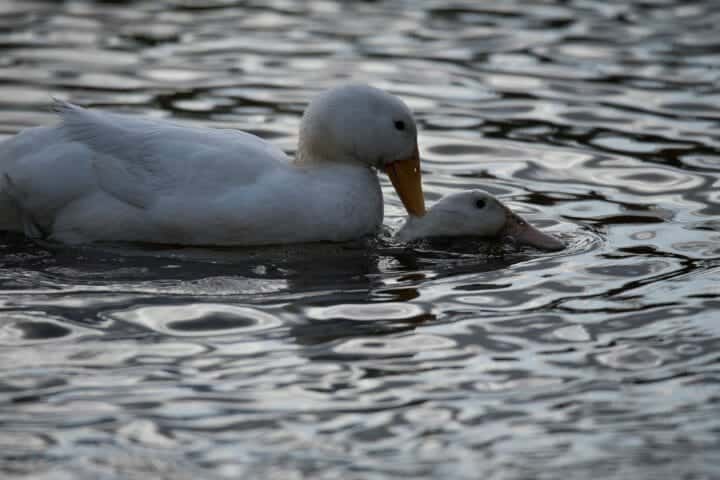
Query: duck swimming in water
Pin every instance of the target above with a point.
(101, 176)
(475, 213)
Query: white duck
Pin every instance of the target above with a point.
(108, 177)
(475, 213)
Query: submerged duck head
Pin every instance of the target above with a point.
(364, 125)
(476, 213)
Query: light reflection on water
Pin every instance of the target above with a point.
(597, 120)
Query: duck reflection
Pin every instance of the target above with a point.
(320, 292)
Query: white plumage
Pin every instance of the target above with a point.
(107, 177)
(475, 213)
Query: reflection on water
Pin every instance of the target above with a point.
(599, 121)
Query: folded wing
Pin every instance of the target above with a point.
(137, 160)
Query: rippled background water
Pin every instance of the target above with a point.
(597, 120)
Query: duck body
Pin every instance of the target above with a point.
(108, 177)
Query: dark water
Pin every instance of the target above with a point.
(597, 120)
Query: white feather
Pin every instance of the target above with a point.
(101, 176)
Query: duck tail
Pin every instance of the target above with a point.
(10, 216)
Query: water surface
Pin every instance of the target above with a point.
(599, 121)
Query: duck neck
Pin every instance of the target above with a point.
(413, 229)
(313, 150)
(303, 158)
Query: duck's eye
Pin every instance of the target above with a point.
(399, 124)
(480, 203)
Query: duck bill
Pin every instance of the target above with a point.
(523, 234)
(406, 178)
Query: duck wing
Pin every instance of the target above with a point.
(139, 160)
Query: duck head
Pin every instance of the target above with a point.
(476, 214)
(361, 124)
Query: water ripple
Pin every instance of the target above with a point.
(597, 121)
(198, 319)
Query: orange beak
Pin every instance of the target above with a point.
(406, 178)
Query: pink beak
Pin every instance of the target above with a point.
(522, 233)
